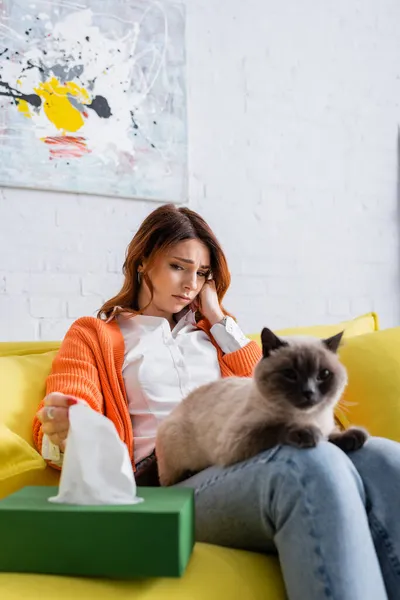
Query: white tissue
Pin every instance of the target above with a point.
(96, 467)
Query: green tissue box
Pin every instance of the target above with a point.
(154, 538)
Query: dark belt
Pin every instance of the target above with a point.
(146, 474)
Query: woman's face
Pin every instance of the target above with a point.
(177, 278)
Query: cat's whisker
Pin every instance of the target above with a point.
(348, 403)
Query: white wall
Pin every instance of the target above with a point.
(293, 115)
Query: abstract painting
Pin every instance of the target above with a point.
(93, 97)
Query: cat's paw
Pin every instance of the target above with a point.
(350, 440)
(167, 475)
(167, 479)
(302, 437)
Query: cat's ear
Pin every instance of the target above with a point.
(333, 342)
(270, 342)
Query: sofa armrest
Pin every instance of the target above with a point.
(372, 397)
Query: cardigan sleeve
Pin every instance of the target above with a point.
(73, 372)
(241, 363)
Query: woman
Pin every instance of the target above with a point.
(333, 519)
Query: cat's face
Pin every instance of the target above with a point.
(302, 373)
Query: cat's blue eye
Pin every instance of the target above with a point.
(289, 374)
(324, 374)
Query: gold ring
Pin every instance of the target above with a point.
(50, 412)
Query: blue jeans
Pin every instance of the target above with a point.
(334, 519)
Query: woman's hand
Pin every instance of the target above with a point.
(209, 304)
(54, 417)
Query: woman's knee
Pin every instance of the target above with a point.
(323, 458)
(320, 480)
(377, 455)
(323, 469)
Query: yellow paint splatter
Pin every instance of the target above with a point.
(22, 105)
(57, 106)
(23, 108)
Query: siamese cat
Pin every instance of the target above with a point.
(289, 400)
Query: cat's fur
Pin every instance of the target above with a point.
(289, 400)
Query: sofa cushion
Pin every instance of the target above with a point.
(213, 572)
(16, 455)
(22, 388)
(372, 397)
(358, 326)
(20, 464)
(23, 348)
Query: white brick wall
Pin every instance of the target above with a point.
(293, 116)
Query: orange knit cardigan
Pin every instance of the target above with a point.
(89, 366)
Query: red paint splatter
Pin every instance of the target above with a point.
(67, 146)
(129, 158)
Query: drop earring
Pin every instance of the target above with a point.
(139, 278)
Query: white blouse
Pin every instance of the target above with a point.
(161, 367)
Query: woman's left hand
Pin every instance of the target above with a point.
(208, 303)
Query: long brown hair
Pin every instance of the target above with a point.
(163, 228)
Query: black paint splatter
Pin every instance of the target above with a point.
(32, 99)
(135, 125)
(100, 106)
(137, 129)
(32, 66)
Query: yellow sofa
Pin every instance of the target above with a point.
(372, 399)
